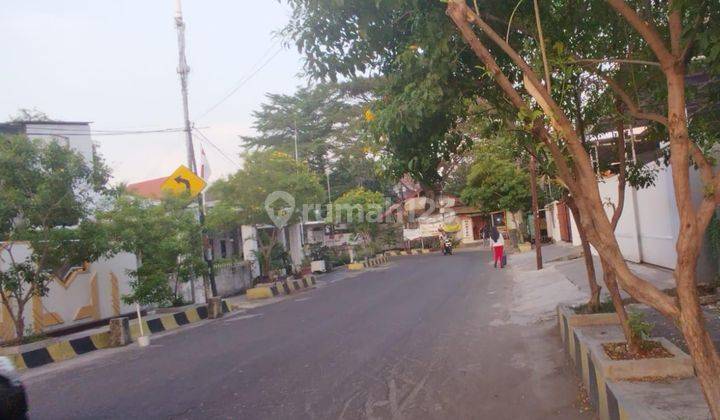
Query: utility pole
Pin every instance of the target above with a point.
(183, 71)
(536, 212)
(296, 142)
(327, 175)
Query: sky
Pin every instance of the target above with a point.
(114, 63)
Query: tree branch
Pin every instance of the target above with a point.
(633, 108)
(646, 30)
(616, 61)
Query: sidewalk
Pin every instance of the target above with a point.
(567, 261)
(563, 279)
(569, 267)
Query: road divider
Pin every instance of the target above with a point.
(57, 350)
(285, 287)
(397, 253)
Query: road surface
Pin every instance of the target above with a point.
(422, 337)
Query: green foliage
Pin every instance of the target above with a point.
(318, 116)
(640, 329)
(242, 197)
(332, 134)
(166, 240)
(46, 200)
(497, 185)
(713, 235)
(361, 210)
(319, 252)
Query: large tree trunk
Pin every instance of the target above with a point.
(536, 213)
(19, 323)
(692, 320)
(594, 302)
(579, 176)
(611, 283)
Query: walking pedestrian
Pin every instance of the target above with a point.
(498, 243)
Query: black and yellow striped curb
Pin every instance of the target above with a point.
(411, 252)
(69, 349)
(278, 288)
(372, 262)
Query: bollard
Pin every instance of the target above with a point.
(214, 308)
(119, 332)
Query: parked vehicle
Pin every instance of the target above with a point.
(13, 401)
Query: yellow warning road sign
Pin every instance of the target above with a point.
(183, 181)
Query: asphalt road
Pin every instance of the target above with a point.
(423, 337)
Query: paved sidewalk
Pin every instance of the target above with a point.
(569, 267)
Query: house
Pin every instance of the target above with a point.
(73, 134)
(77, 295)
(423, 217)
(234, 258)
(648, 228)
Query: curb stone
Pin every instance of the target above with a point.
(284, 287)
(69, 349)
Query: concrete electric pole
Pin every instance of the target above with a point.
(183, 71)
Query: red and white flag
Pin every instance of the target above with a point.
(205, 171)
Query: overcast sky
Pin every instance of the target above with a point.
(113, 62)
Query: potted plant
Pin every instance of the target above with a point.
(319, 253)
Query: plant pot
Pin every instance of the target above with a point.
(568, 320)
(601, 370)
(317, 266)
(143, 340)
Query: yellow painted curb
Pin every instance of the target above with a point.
(101, 340)
(61, 351)
(258, 293)
(355, 266)
(169, 323)
(192, 315)
(18, 361)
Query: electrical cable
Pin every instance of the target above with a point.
(239, 84)
(203, 138)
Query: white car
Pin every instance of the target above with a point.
(13, 402)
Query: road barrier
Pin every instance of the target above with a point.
(278, 288)
(58, 351)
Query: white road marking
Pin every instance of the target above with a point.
(242, 317)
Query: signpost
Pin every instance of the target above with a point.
(184, 181)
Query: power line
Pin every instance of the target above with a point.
(242, 82)
(93, 133)
(207, 140)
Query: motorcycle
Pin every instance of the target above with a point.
(447, 246)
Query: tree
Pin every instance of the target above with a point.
(29, 115)
(165, 238)
(47, 193)
(579, 176)
(361, 210)
(270, 192)
(497, 185)
(665, 41)
(332, 134)
(317, 117)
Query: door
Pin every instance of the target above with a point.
(478, 224)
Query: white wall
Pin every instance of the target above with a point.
(295, 244)
(648, 228)
(66, 298)
(250, 247)
(77, 136)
